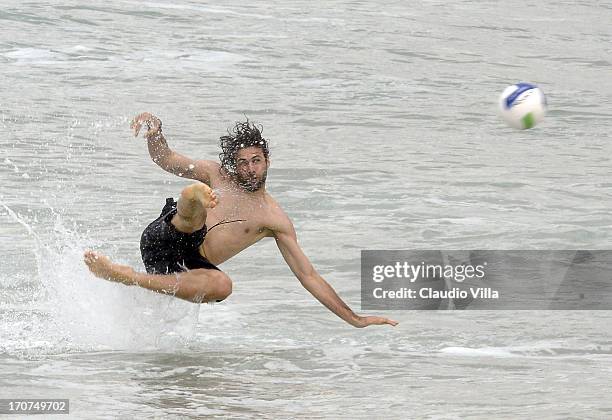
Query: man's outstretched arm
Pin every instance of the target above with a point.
(286, 239)
(166, 158)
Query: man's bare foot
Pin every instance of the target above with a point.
(202, 193)
(101, 266)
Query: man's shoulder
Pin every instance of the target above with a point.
(277, 219)
(274, 207)
(202, 170)
(208, 165)
(218, 175)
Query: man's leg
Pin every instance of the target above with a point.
(198, 285)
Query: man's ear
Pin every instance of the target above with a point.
(267, 163)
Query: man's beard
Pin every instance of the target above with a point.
(251, 184)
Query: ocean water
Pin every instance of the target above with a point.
(384, 135)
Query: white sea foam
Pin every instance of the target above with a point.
(33, 56)
(539, 349)
(477, 352)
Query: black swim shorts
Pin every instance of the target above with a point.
(165, 250)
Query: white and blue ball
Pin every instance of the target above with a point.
(522, 105)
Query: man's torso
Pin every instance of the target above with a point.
(227, 239)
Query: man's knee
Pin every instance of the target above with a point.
(215, 285)
(223, 286)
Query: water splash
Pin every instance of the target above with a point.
(64, 308)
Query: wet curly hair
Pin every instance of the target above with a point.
(243, 134)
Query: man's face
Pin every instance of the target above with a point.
(251, 168)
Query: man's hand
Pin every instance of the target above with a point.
(152, 123)
(364, 321)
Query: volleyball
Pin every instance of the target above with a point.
(522, 105)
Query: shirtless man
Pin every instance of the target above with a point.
(183, 246)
